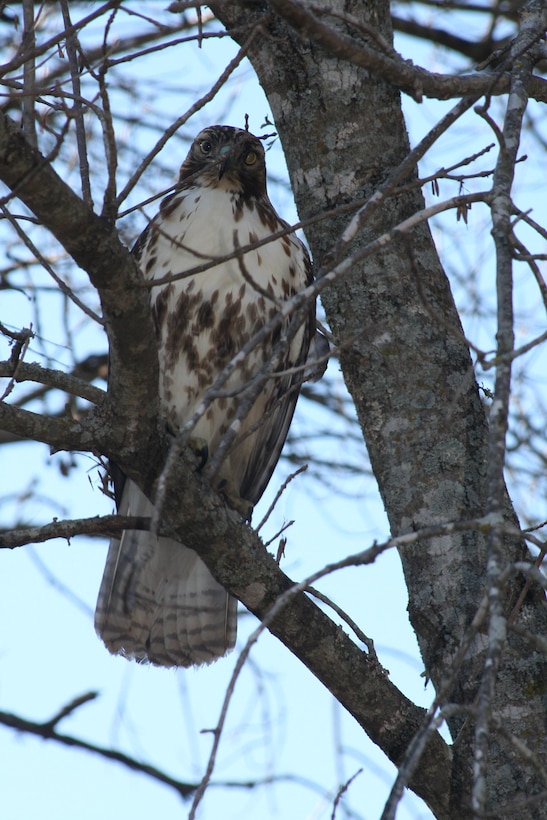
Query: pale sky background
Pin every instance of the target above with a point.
(281, 720)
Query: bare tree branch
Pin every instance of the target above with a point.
(110, 526)
(413, 80)
(54, 378)
(47, 731)
(501, 219)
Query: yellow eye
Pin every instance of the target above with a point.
(251, 158)
(205, 146)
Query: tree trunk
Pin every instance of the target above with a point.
(410, 374)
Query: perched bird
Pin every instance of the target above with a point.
(158, 602)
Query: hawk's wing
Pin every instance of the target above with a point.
(272, 432)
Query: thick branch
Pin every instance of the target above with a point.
(413, 80)
(107, 525)
(476, 50)
(238, 560)
(33, 372)
(59, 433)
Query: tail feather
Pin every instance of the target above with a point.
(158, 602)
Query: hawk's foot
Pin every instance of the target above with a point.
(200, 450)
(227, 490)
(198, 446)
(171, 426)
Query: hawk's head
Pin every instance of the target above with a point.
(227, 157)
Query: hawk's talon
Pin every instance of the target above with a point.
(199, 447)
(200, 450)
(226, 489)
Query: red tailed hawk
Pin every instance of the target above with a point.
(158, 601)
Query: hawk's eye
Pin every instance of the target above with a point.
(205, 146)
(251, 158)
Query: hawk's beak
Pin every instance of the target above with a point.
(226, 160)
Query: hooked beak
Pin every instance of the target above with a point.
(226, 153)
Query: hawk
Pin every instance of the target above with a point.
(158, 602)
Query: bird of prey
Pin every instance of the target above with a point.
(158, 602)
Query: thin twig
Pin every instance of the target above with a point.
(29, 74)
(47, 732)
(341, 791)
(368, 642)
(283, 541)
(72, 47)
(67, 710)
(279, 494)
(21, 341)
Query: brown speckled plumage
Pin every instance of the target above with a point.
(158, 601)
